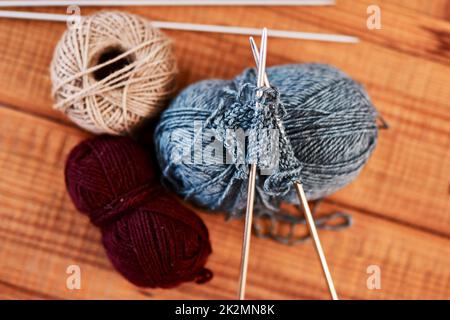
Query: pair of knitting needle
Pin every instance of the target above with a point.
(263, 81)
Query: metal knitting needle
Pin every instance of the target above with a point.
(251, 180)
(94, 3)
(313, 231)
(210, 28)
(302, 197)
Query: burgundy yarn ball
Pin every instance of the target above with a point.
(150, 238)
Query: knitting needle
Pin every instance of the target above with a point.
(110, 3)
(252, 180)
(196, 27)
(302, 197)
(315, 237)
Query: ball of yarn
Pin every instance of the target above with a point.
(111, 71)
(150, 238)
(326, 128)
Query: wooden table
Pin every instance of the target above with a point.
(400, 203)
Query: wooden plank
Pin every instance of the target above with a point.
(404, 66)
(437, 8)
(11, 291)
(41, 235)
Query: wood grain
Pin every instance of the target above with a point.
(401, 202)
(437, 8)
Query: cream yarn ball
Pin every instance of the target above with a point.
(111, 71)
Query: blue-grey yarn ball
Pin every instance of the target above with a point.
(326, 128)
